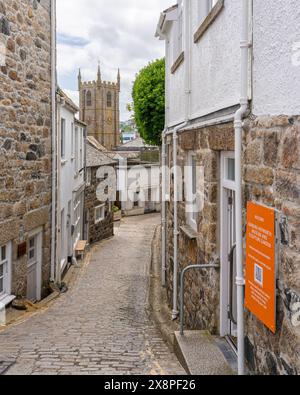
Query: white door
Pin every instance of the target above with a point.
(34, 266)
(228, 249)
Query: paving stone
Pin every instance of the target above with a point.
(101, 326)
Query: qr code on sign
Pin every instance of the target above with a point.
(258, 275)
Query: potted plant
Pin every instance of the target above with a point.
(117, 213)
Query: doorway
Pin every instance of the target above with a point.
(228, 249)
(34, 266)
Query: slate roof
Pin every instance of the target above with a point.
(96, 158)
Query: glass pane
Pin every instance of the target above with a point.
(3, 253)
(31, 254)
(231, 169)
(1, 270)
(31, 243)
(1, 285)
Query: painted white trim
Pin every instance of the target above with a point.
(39, 234)
(188, 185)
(8, 280)
(224, 291)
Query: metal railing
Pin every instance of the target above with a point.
(184, 272)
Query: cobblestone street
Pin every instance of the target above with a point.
(101, 326)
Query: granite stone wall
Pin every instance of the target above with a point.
(25, 131)
(272, 177)
(105, 228)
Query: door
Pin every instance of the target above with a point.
(231, 269)
(228, 249)
(34, 264)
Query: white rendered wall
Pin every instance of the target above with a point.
(276, 80)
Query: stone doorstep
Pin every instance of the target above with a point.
(201, 355)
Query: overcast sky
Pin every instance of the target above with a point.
(117, 33)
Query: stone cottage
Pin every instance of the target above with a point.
(233, 143)
(25, 148)
(99, 217)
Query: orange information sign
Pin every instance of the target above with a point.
(261, 264)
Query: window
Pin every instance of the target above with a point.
(191, 191)
(81, 149)
(88, 177)
(63, 138)
(88, 98)
(77, 219)
(76, 150)
(228, 172)
(99, 213)
(109, 99)
(5, 267)
(72, 141)
(211, 4)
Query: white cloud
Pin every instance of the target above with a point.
(118, 33)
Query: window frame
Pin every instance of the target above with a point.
(102, 216)
(191, 190)
(63, 138)
(6, 263)
(214, 8)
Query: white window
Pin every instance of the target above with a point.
(99, 213)
(211, 4)
(204, 8)
(191, 191)
(5, 270)
(228, 167)
(72, 141)
(178, 35)
(88, 176)
(81, 149)
(63, 138)
(76, 151)
(77, 219)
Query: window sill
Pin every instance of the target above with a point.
(208, 21)
(177, 62)
(189, 232)
(5, 299)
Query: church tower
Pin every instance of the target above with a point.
(100, 109)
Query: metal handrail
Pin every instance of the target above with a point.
(192, 267)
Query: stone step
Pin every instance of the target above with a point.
(202, 354)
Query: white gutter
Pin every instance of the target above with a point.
(187, 91)
(164, 212)
(175, 311)
(238, 126)
(53, 122)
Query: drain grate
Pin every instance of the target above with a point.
(4, 366)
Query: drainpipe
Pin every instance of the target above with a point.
(238, 126)
(187, 92)
(175, 311)
(54, 129)
(164, 211)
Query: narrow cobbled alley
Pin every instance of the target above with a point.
(101, 326)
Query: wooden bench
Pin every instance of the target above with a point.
(80, 248)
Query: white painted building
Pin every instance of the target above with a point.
(71, 181)
(274, 87)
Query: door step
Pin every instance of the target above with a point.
(204, 355)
